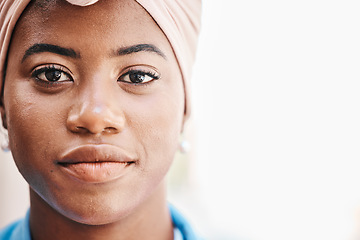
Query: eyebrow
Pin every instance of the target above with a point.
(43, 47)
(139, 48)
(68, 52)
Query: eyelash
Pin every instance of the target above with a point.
(44, 69)
(35, 74)
(153, 75)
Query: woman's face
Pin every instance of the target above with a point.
(94, 106)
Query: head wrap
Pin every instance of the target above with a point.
(178, 19)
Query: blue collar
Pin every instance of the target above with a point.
(182, 224)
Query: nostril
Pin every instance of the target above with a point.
(78, 129)
(90, 118)
(111, 130)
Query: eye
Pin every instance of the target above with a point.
(51, 74)
(138, 77)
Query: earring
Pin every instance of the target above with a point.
(5, 144)
(184, 146)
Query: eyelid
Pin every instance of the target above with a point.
(147, 70)
(42, 68)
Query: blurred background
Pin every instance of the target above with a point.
(275, 128)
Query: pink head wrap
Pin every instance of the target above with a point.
(178, 19)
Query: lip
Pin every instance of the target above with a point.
(96, 163)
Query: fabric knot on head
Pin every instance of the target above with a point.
(82, 2)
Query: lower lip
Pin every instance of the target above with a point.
(99, 172)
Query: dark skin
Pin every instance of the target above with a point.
(111, 82)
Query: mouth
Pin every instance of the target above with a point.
(96, 163)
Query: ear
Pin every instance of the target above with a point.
(3, 115)
(182, 126)
(185, 118)
(185, 121)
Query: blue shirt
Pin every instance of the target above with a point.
(20, 230)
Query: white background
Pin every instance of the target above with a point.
(276, 112)
(276, 105)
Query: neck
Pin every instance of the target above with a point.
(151, 220)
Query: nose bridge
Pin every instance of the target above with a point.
(95, 96)
(95, 109)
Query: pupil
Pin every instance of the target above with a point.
(53, 75)
(137, 78)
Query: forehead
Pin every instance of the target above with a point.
(106, 24)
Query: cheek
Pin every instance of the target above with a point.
(157, 123)
(32, 126)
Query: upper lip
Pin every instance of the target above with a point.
(95, 153)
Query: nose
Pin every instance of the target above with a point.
(95, 113)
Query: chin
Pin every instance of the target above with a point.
(96, 215)
(98, 219)
(88, 210)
